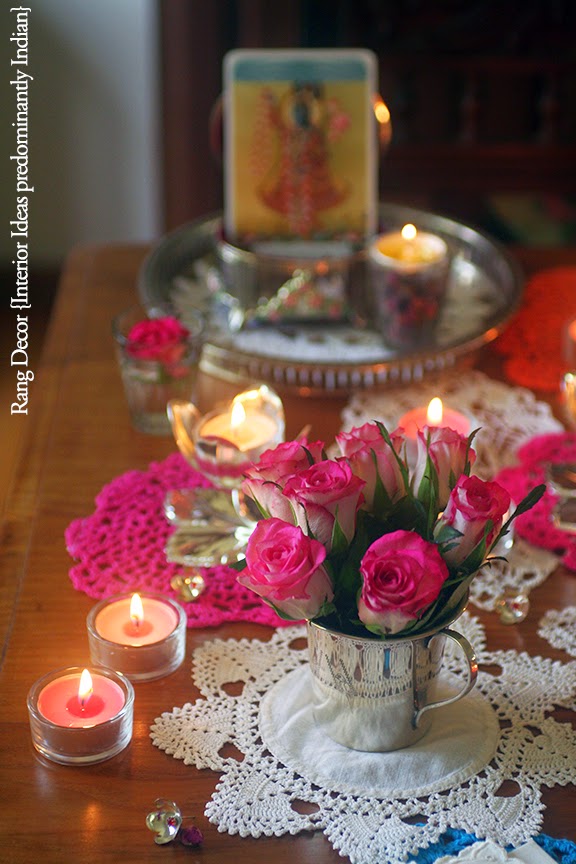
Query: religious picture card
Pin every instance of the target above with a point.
(300, 145)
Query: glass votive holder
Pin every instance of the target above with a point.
(222, 443)
(408, 277)
(144, 646)
(568, 382)
(73, 728)
(158, 356)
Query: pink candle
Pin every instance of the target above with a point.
(81, 716)
(141, 635)
(62, 702)
(434, 415)
(154, 620)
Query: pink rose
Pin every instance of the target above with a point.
(402, 574)
(162, 339)
(285, 568)
(447, 450)
(264, 480)
(371, 457)
(270, 498)
(323, 494)
(286, 459)
(472, 504)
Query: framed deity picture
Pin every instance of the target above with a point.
(300, 145)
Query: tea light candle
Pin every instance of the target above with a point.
(245, 431)
(434, 415)
(143, 636)
(81, 716)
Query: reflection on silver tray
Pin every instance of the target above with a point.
(485, 289)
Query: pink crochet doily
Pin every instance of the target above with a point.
(120, 548)
(537, 526)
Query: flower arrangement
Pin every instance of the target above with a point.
(161, 340)
(384, 539)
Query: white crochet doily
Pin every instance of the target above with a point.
(558, 627)
(254, 796)
(507, 416)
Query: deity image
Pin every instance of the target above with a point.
(291, 156)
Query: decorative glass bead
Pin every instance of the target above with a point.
(165, 821)
(512, 606)
(188, 585)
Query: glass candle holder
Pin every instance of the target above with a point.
(223, 442)
(408, 274)
(158, 357)
(143, 646)
(75, 729)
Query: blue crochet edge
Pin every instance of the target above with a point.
(452, 842)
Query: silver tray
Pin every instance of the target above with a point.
(485, 290)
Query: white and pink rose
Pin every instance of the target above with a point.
(448, 451)
(473, 503)
(370, 457)
(323, 494)
(402, 574)
(285, 568)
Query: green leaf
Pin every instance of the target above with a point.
(339, 542)
(525, 504)
(309, 456)
(529, 500)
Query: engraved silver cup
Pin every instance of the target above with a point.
(378, 694)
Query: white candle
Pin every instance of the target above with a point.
(245, 430)
(144, 640)
(408, 249)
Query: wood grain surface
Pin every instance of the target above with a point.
(76, 438)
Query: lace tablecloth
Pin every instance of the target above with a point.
(367, 808)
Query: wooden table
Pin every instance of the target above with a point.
(76, 438)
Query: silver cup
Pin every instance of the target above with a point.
(377, 695)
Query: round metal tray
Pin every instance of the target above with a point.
(485, 289)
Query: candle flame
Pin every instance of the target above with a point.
(409, 232)
(435, 412)
(85, 687)
(238, 414)
(381, 110)
(136, 610)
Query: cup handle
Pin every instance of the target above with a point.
(472, 662)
